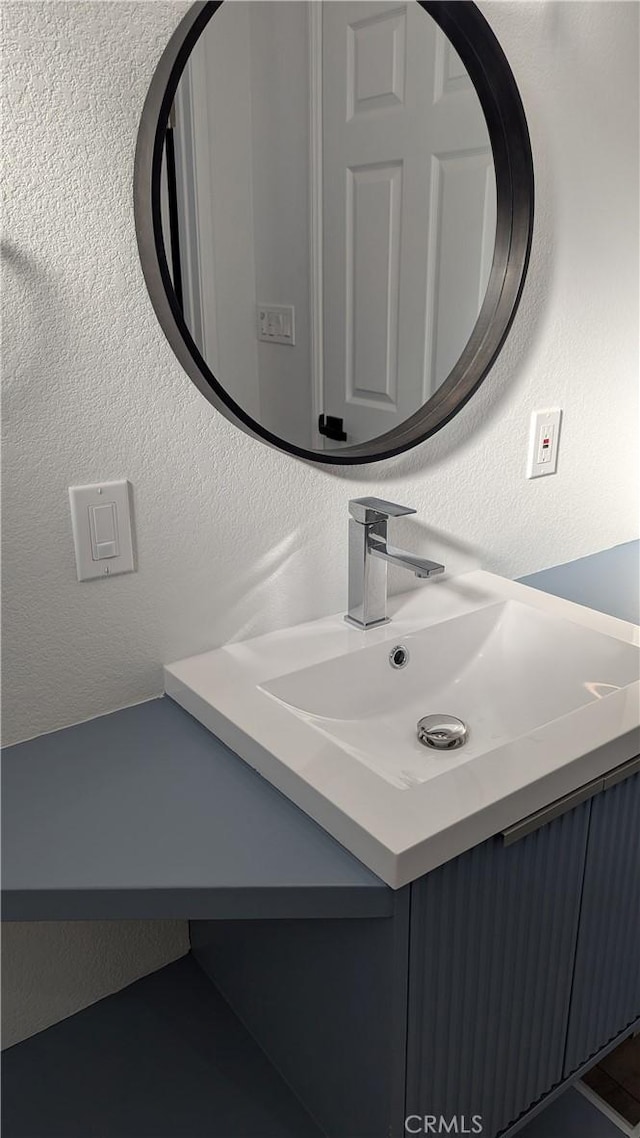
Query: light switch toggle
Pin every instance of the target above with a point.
(103, 525)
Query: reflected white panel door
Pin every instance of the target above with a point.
(408, 211)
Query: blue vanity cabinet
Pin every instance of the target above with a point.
(606, 989)
(493, 979)
(492, 949)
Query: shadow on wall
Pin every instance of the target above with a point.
(22, 385)
(52, 969)
(242, 603)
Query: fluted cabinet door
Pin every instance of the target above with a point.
(492, 950)
(606, 990)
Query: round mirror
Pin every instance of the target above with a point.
(334, 207)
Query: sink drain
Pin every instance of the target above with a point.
(444, 732)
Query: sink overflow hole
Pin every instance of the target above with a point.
(399, 656)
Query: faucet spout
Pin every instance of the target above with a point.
(416, 565)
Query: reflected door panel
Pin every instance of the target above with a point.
(408, 212)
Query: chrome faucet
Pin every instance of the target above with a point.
(369, 555)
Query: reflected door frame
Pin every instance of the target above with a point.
(199, 309)
(316, 283)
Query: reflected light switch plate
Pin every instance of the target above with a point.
(101, 521)
(276, 323)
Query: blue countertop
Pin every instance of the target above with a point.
(143, 813)
(608, 581)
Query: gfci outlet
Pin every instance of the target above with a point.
(544, 438)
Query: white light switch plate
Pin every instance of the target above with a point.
(101, 521)
(544, 437)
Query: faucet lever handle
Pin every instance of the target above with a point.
(369, 510)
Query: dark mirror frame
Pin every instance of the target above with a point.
(487, 66)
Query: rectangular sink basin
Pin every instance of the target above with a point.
(503, 670)
(548, 691)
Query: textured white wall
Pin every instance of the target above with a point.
(233, 538)
(50, 970)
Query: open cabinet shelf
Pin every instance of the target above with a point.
(164, 1058)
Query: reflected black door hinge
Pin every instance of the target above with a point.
(332, 428)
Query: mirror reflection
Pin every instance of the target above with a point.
(328, 212)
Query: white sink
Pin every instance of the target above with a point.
(548, 690)
(503, 670)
